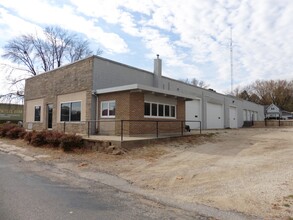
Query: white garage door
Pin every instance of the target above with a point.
(233, 117)
(193, 113)
(215, 116)
(244, 115)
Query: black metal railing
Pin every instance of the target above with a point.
(134, 128)
(156, 128)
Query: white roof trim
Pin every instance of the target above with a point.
(143, 88)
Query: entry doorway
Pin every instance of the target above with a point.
(193, 113)
(233, 117)
(50, 116)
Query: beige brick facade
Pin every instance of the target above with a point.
(73, 78)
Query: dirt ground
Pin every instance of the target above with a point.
(243, 170)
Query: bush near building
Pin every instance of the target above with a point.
(68, 142)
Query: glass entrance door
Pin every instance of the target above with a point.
(50, 116)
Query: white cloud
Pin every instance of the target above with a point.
(66, 17)
(192, 37)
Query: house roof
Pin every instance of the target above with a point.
(272, 108)
(143, 88)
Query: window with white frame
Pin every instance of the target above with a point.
(159, 110)
(108, 109)
(37, 116)
(71, 111)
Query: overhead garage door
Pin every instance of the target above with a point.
(215, 116)
(193, 113)
(233, 117)
(244, 115)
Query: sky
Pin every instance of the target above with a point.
(192, 37)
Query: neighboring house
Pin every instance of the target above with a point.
(285, 115)
(274, 112)
(11, 113)
(97, 89)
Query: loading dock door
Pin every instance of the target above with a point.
(233, 117)
(193, 113)
(215, 116)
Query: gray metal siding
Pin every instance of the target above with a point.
(109, 74)
(216, 98)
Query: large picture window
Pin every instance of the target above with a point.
(108, 109)
(37, 113)
(159, 110)
(71, 111)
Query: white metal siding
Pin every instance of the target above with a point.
(193, 113)
(244, 115)
(215, 116)
(233, 117)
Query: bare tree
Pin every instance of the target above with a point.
(36, 53)
(195, 82)
(266, 92)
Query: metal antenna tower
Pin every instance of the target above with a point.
(231, 59)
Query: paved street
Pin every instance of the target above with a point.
(25, 195)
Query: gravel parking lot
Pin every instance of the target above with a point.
(240, 170)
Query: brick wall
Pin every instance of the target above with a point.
(149, 126)
(112, 125)
(71, 78)
(130, 106)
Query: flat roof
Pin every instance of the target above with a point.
(144, 88)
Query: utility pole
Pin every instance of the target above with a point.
(231, 59)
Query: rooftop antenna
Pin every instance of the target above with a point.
(231, 59)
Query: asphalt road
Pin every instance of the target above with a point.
(25, 195)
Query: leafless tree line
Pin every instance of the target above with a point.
(35, 53)
(266, 92)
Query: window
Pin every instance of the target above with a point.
(147, 109)
(167, 111)
(75, 111)
(37, 113)
(108, 109)
(154, 109)
(173, 111)
(71, 111)
(159, 110)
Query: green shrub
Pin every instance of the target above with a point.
(69, 142)
(15, 132)
(38, 138)
(53, 138)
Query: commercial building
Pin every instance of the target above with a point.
(100, 92)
